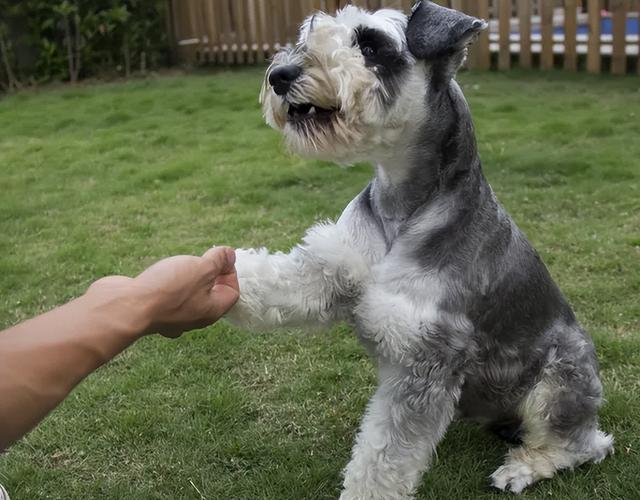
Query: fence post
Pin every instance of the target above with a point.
(279, 22)
(171, 32)
(594, 58)
(194, 29)
(570, 33)
(524, 16)
(546, 21)
(504, 15)
(209, 29)
(264, 42)
(483, 59)
(636, 8)
(474, 56)
(241, 32)
(619, 10)
(253, 36)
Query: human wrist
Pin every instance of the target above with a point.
(129, 309)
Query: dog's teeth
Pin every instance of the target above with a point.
(312, 111)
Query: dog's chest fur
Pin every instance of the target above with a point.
(393, 282)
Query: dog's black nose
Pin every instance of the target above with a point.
(282, 77)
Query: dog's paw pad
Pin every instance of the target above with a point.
(513, 477)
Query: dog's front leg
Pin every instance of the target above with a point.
(405, 420)
(310, 285)
(421, 353)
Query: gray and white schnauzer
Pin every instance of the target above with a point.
(442, 288)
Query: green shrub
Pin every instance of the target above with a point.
(75, 39)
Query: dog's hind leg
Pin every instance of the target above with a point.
(560, 425)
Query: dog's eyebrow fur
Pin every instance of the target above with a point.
(366, 33)
(388, 62)
(389, 21)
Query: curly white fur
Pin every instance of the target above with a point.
(302, 287)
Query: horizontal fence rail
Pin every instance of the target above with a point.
(594, 35)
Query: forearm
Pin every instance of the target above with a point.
(43, 359)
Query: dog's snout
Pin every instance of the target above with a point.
(282, 77)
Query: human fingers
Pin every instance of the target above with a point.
(223, 297)
(221, 260)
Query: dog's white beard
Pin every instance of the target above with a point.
(335, 77)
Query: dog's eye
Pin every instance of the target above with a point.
(368, 51)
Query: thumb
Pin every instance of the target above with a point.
(220, 259)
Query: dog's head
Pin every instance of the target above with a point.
(355, 81)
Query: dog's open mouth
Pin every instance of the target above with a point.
(307, 112)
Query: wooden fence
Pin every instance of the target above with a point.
(595, 35)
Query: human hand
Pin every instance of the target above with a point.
(179, 293)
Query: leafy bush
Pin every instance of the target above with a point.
(74, 39)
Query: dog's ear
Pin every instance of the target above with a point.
(435, 33)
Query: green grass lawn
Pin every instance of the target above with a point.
(106, 179)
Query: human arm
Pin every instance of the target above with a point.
(44, 358)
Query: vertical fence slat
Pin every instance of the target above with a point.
(192, 30)
(546, 28)
(504, 22)
(200, 32)
(483, 57)
(241, 32)
(637, 10)
(594, 58)
(619, 10)
(307, 8)
(175, 25)
(296, 19)
(216, 30)
(203, 30)
(219, 31)
(265, 40)
(524, 20)
(469, 7)
(229, 35)
(250, 30)
(210, 30)
(260, 30)
(287, 21)
(570, 34)
(278, 22)
(191, 23)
